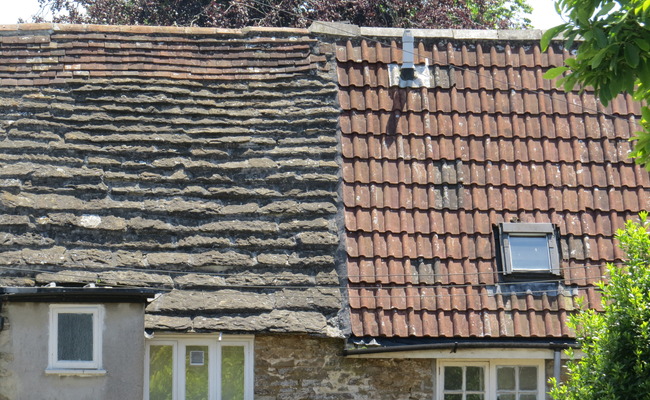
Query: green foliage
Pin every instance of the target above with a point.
(613, 54)
(471, 14)
(616, 342)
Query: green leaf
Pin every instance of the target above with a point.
(601, 38)
(569, 40)
(632, 55)
(645, 112)
(569, 82)
(598, 58)
(606, 8)
(605, 93)
(550, 34)
(644, 72)
(643, 45)
(555, 72)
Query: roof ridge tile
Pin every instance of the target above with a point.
(147, 29)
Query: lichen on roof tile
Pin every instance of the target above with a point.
(525, 148)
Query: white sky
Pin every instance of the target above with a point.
(11, 10)
(543, 17)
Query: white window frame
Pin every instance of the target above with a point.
(491, 374)
(441, 375)
(54, 364)
(544, 230)
(214, 343)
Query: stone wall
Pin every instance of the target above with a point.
(297, 367)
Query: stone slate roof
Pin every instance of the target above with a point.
(201, 162)
(429, 171)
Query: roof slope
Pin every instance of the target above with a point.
(428, 171)
(201, 161)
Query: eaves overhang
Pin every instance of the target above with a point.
(77, 295)
(358, 346)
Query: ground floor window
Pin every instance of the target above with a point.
(199, 368)
(490, 380)
(75, 340)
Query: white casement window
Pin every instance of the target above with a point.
(75, 341)
(529, 248)
(491, 380)
(464, 381)
(199, 368)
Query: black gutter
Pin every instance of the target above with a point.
(76, 294)
(453, 346)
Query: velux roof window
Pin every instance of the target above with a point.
(529, 248)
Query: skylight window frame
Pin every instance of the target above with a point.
(523, 229)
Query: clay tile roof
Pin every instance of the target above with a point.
(428, 171)
(41, 54)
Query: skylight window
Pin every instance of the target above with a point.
(529, 248)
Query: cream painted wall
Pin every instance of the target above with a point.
(24, 356)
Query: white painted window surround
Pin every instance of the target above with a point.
(498, 379)
(75, 339)
(200, 366)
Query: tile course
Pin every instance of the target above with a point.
(428, 171)
(227, 139)
(198, 161)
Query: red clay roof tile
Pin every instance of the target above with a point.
(428, 171)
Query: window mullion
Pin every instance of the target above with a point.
(214, 369)
(179, 371)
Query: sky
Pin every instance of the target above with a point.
(543, 17)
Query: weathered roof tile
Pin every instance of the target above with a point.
(501, 143)
(186, 151)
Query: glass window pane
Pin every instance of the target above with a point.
(75, 337)
(232, 373)
(161, 372)
(506, 378)
(453, 397)
(506, 397)
(196, 375)
(474, 378)
(453, 378)
(528, 397)
(528, 378)
(529, 253)
(474, 396)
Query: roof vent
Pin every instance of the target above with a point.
(407, 71)
(407, 74)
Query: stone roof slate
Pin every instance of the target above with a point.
(428, 171)
(198, 161)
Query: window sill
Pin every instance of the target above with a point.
(75, 372)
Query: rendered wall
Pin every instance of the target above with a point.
(24, 356)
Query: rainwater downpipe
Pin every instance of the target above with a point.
(557, 367)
